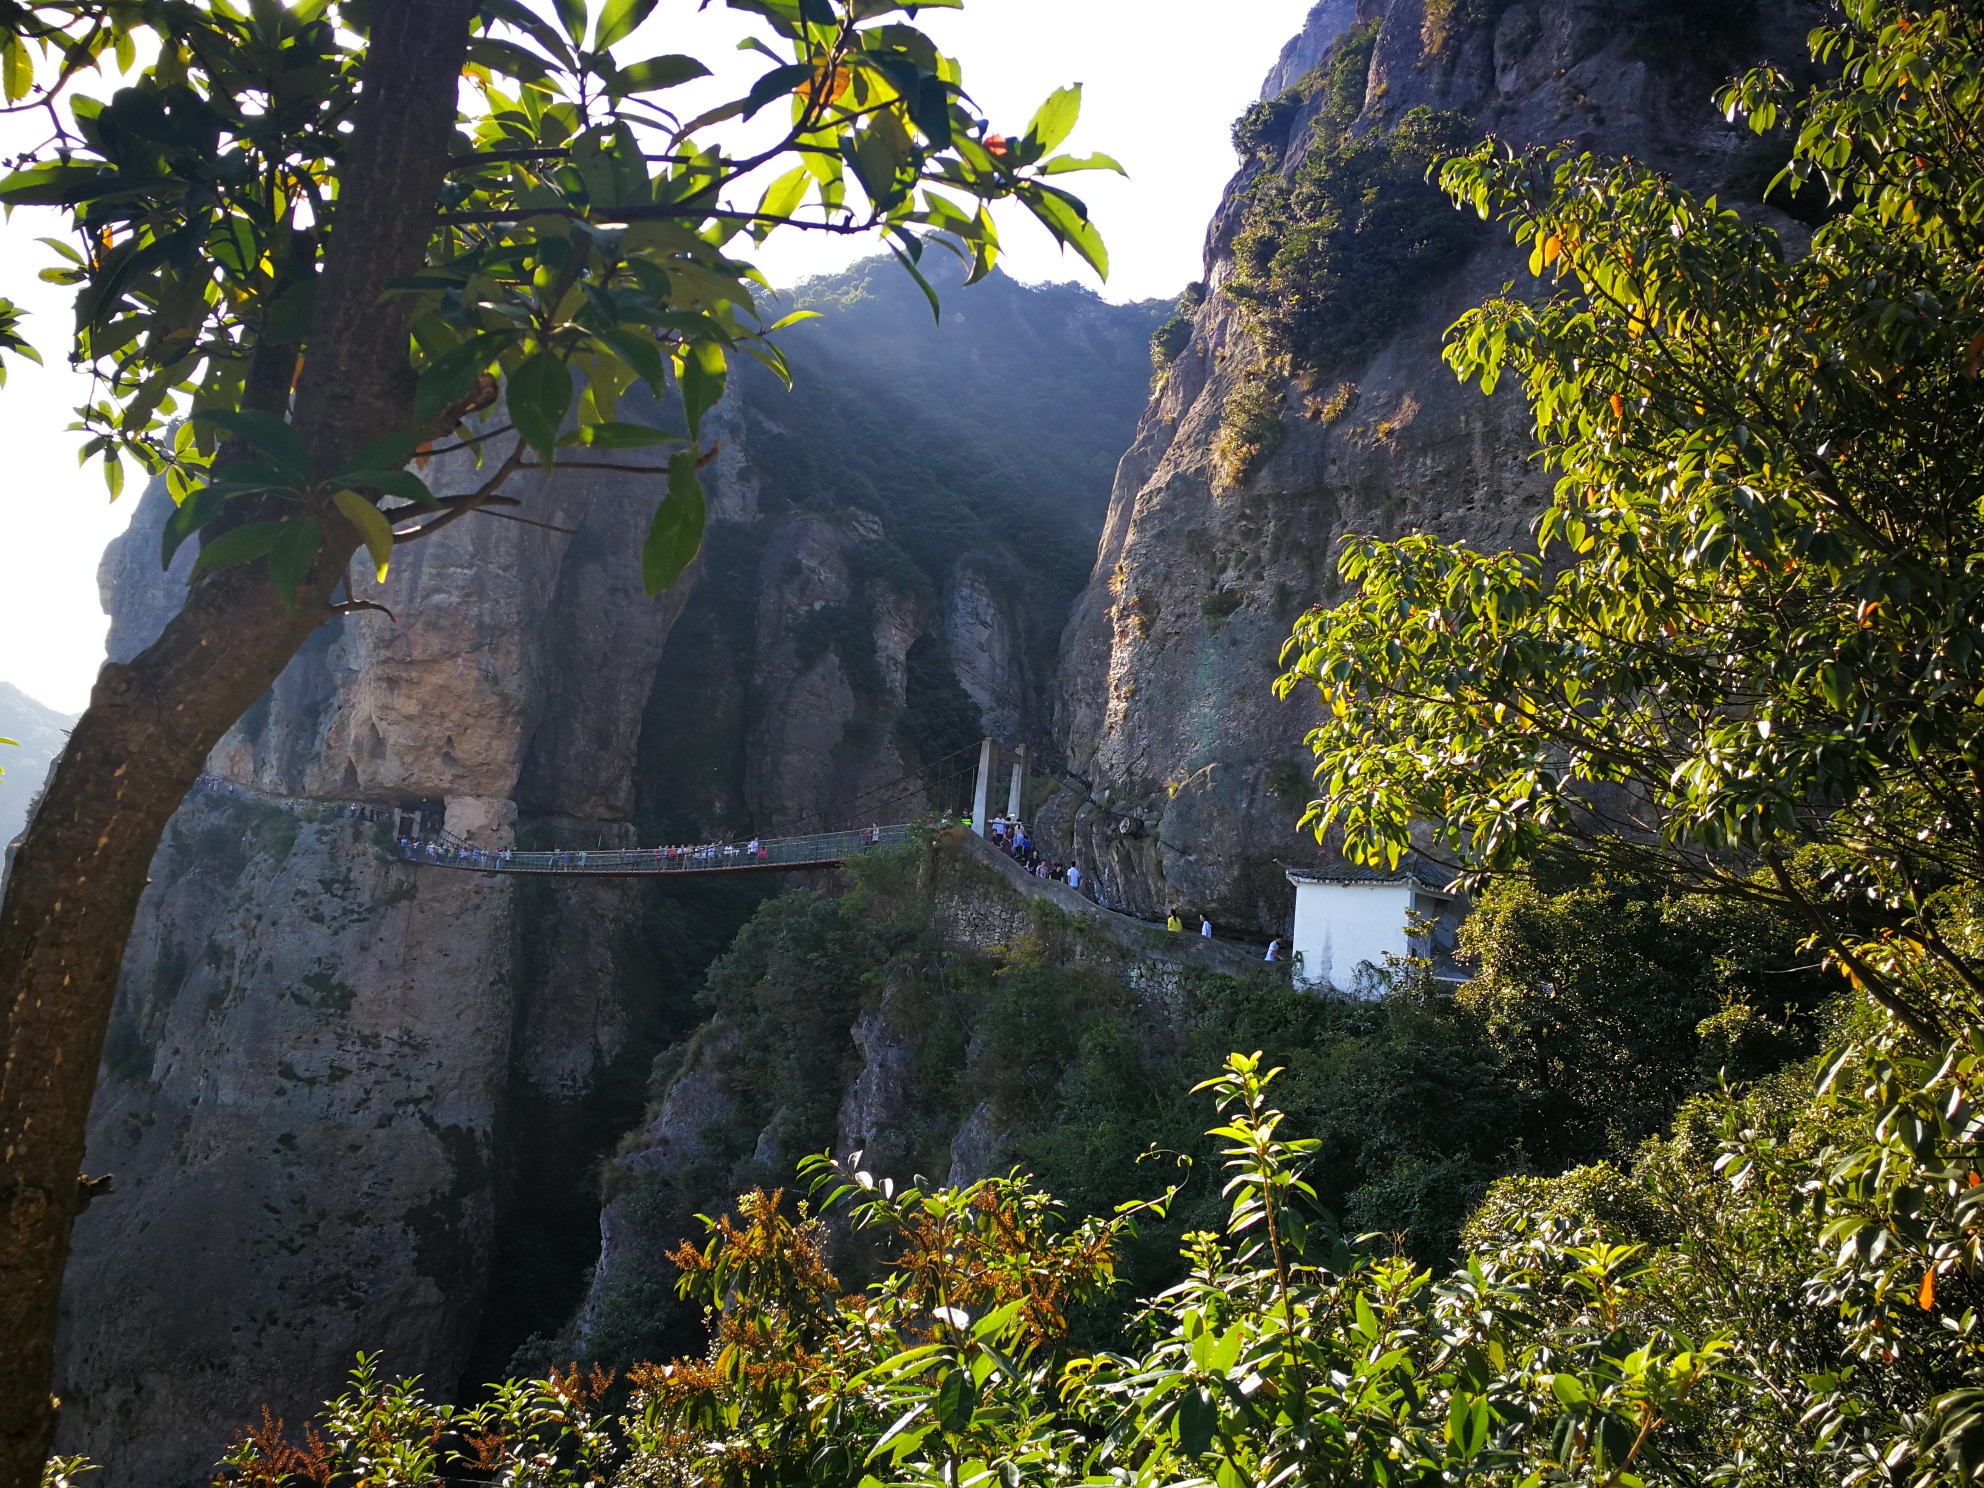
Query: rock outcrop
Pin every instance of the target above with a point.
(1253, 461)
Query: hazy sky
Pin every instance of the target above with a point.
(1162, 80)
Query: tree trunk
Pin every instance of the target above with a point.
(80, 870)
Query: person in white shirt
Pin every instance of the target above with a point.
(1074, 877)
(1274, 951)
(1205, 927)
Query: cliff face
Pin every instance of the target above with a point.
(1307, 400)
(354, 1104)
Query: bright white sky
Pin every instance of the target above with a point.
(1163, 80)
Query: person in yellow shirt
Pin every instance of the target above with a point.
(1174, 924)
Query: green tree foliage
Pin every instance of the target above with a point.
(1169, 340)
(1693, 1320)
(1605, 1008)
(1750, 628)
(588, 243)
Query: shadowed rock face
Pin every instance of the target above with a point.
(1195, 774)
(352, 1104)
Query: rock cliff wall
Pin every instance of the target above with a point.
(354, 1104)
(1307, 400)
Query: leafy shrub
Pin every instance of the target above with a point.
(1250, 426)
(1262, 131)
(1168, 341)
(1444, 22)
(1699, 1320)
(1219, 603)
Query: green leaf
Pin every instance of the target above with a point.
(572, 16)
(639, 351)
(199, 508)
(868, 10)
(373, 528)
(515, 13)
(782, 199)
(268, 435)
(652, 74)
(54, 184)
(241, 545)
(402, 483)
(1061, 165)
(955, 1401)
(618, 20)
(1567, 1389)
(676, 535)
(776, 84)
(539, 396)
(16, 69)
(1198, 1414)
(929, 290)
(290, 556)
(701, 371)
(1054, 122)
(1067, 219)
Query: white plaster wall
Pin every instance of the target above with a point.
(1340, 926)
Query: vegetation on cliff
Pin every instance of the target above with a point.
(1330, 254)
(1596, 1012)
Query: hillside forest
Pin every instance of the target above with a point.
(1656, 629)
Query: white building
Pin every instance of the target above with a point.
(1348, 919)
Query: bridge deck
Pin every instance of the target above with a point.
(820, 850)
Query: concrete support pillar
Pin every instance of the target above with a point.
(1016, 799)
(981, 796)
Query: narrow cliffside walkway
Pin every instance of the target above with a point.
(1143, 938)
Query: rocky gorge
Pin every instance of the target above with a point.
(353, 1104)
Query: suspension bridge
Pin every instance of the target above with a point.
(780, 854)
(421, 841)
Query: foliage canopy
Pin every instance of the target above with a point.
(588, 238)
(1751, 625)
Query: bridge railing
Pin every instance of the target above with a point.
(778, 852)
